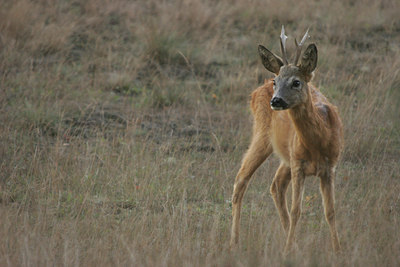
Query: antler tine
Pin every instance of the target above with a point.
(300, 46)
(283, 38)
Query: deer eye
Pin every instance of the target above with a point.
(296, 83)
(273, 82)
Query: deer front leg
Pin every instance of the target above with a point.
(278, 191)
(327, 187)
(258, 151)
(298, 178)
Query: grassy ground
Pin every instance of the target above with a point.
(123, 125)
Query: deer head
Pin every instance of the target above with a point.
(291, 81)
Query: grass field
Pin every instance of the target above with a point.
(123, 124)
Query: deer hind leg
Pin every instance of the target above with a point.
(295, 212)
(278, 191)
(258, 151)
(327, 187)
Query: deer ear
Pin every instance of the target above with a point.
(309, 59)
(270, 61)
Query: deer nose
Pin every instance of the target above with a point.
(278, 103)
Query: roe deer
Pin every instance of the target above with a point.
(293, 119)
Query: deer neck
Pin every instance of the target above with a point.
(308, 124)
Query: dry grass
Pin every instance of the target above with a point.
(123, 125)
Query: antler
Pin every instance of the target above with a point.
(300, 46)
(283, 38)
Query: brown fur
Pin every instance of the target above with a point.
(308, 140)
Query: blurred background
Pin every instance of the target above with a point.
(123, 124)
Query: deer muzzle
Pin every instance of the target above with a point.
(278, 103)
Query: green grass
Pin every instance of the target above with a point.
(123, 125)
